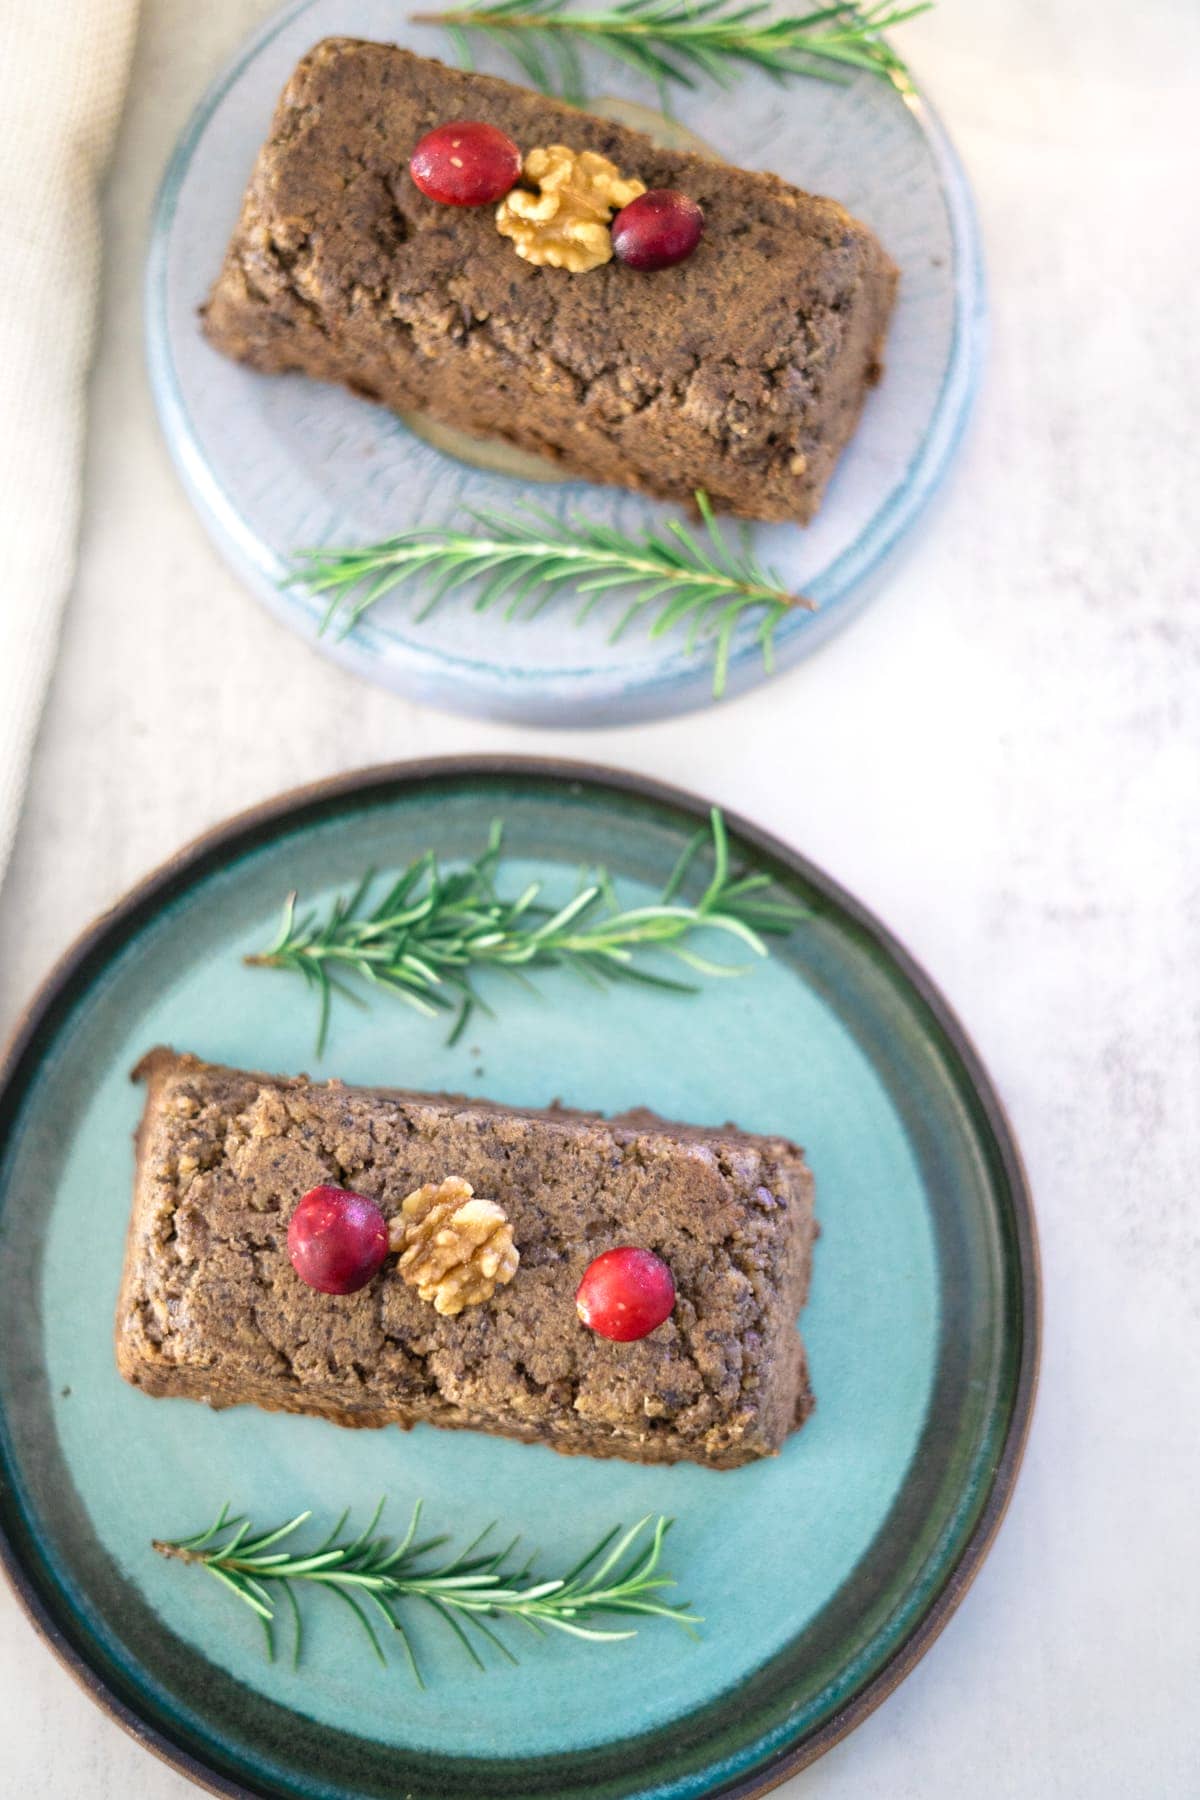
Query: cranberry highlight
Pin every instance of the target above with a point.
(465, 163)
(659, 228)
(625, 1294)
(337, 1240)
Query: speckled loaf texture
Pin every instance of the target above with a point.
(742, 370)
(211, 1309)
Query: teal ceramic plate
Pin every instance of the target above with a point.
(821, 1575)
(274, 463)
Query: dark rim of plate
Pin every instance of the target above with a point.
(89, 954)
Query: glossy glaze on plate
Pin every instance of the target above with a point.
(276, 463)
(821, 1574)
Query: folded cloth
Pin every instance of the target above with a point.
(63, 70)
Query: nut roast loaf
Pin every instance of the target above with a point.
(741, 371)
(211, 1308)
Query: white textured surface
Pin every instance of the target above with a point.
(1003, 757)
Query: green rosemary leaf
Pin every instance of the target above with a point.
(678, 40)
(235, 1587)
(621, 1574)
(619, 1549)
(444, 1613)
(410, 1654)
(572, 1575)
(568, 1626)
(531, 558)
(430, 934)
(204, 1537)
(297, 1622)
(363, 1620)
(456, 1566)
(368, 1531)
(462, 46)
(493, 1638)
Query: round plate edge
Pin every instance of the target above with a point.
(665, 693)
(789, 1760)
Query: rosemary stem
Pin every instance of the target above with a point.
(607, 26)
(466, 1590)
(695, 583)
(674, 40)
(431, 931)
(494, 550)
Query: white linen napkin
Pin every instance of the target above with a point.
(63, 69)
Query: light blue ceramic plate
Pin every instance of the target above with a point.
(821, 1575)
(275, 463)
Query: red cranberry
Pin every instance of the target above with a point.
(337, 1240)
(657, 229)
(625, 1293)
(465, 163)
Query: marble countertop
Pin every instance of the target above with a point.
(1002, 758)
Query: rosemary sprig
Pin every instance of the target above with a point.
(703, 585)
(430, 931)
(372, 1574)
(681, 40)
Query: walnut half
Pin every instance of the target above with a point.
(565, 224)
(453, 1248)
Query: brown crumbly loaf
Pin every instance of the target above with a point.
(742, 371)
(211, 1309)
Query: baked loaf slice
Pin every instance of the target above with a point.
(742, 370)
(211, 1308)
